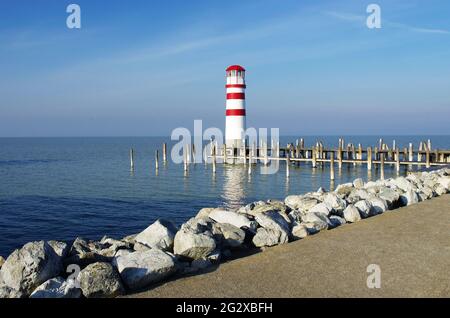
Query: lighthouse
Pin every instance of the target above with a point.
(235, 106)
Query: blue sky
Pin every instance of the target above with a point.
(313, 67)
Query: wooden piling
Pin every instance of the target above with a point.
(185, 158)
(410, 152)
(157, 159)
(382, 166)
(332, 166)
(340, 157)
(225, 153)
(132, 159)
(314, 157)
(214, 150)
(369, 158)
(164, 152)
(397, 160)
(288, 163)
(427, 158)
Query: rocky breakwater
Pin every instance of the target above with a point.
(111, 267)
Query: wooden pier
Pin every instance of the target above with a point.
(318, 155)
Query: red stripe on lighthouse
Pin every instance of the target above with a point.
(236, 96)
(235, 86)
(235, 112)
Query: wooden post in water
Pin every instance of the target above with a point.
(369, 158)
(429, 144)
(164, 152)
(397, 160)
(288, 162)
(249, 162)
(340, 156)
(266, 161)
(314, 157)
(427, 156)
(410, 152)
(185, 157)
(332, 166)
(224, 148)
(193, 154)
(382, 166)
(132, 159)
(157, 159)
(245, 152)
(214, 149)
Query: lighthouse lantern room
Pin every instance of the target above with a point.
(235, 106)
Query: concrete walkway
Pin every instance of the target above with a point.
(411, 245)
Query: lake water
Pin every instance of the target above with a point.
(61, 188)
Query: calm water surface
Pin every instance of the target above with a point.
(60, 188)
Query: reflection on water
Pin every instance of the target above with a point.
(233, 192)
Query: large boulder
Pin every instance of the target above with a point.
(409, 197)
(233, 218)
(299, 231)
(365, 208)
(357, 195)
(28, 267)
(270, 205)
(301, 202)
(100, 280)
(84, 252)
(378, 205)
(402, 183)
(140, 269)
(336, 221)
(322, 207)
(444, 182)
(273, 220)
(204, 213)
(193, 244)
(229, 235)
(57, 287)
(160, 234)
(269, 237)
(390, 195)
(2, 261)
(335, 202)
(351, 214)
(343, 190)
(358, 183)
(61, 249)
(316, 222)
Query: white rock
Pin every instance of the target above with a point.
(322, 207)
(351, 214)
(391, 196)
(159, 235)
(100, 280)
(193, 246)
(299, 231)
(269, 237)
(316, 221)
(402, 183)
(272, 220)
(57, 287)
(300, 202)
(378, 205)
(233, 218)
(229, 235)
(365, 208)
(358, 183)
(336, 221)
(444, 182)
(28, 267)
(140, 269)
(61, 249)
(409, 197)
(335, 202)
(204, 213)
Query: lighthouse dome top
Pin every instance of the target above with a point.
(235, 68)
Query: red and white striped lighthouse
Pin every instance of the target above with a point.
(235, 108)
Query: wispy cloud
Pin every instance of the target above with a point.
(349, 17)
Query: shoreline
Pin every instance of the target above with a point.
(113, 267)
